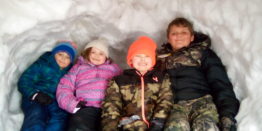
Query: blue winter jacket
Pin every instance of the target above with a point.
(42, 76)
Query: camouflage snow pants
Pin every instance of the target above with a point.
(193, 115)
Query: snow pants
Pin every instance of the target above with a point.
(86, 119)
(193, 115)
(43, 118)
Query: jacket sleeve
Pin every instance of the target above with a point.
(164, 102)
(28, 79)
(117, 70)
(111, 107)
(65, 93)
(222, 89)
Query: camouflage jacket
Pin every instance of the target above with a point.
(123, 99)
(196, 71)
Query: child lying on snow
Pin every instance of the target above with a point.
(82, 90)
(203, 93)
(38, 86)
(141, 97)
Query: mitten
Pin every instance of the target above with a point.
(43, 98)
(228, 124)
(81, 104)
(137, 125)
(156, 125)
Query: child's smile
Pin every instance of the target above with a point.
(97, 56)
(142, 63)
(179, 37)
(62, 59)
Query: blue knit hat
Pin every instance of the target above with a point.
(66, 46)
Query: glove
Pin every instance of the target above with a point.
(156, 125)
(81, 104)
(228, 124)
(43, 98)
(135, 125)
(155, 128)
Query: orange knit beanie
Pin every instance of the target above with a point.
(143, 45)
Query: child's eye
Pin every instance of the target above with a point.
(174, 33)
(59, 54)
(180, 33)
(101, 54)
(184, 33)
(67, 57)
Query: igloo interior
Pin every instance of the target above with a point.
(30, 27)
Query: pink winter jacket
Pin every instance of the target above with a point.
(85, 82)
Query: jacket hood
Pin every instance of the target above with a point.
(200, 39)
(49, 59)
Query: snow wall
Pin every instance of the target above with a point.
(30, 27)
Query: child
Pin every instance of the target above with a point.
(82, 90)
(199, 80)
(38, 86)
(140, 98)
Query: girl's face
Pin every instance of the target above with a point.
(179, 37)
(142, 63)
(62, 59)
(97, 56)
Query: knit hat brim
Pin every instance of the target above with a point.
(100, 44)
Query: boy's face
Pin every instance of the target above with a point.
(62, 59)
(179, 37)
(97, 56)
(142, 63)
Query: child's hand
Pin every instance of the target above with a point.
(136, 125)
(43, 98)
(81, 104)
(157, 125)
(228, 124)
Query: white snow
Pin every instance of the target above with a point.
(30, 27)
